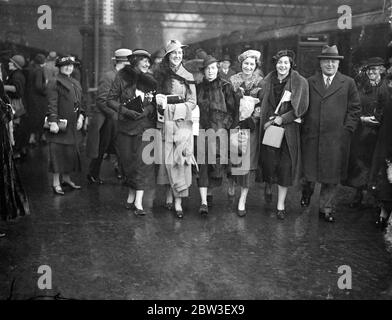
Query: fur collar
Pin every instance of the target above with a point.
(143, 81)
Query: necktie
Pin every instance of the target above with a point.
(328, 82)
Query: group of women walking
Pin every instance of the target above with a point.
(132, 97)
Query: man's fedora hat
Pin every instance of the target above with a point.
(173, 45)
(226, 57)
(330, 52)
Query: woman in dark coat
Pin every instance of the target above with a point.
(374, 97)
(247, 83)
(379, 180)
(13, 200)
(217, 102)
(37, 102)
(282, 165)
(15, 87)
(131, 82)
(65, 103)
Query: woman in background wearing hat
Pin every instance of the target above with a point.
(283, 165)
(64, 103)
(37, 102)
(217, 102)
(133, 81)
(247, 83)
(374, 97)
(15, 87)
(176, 172)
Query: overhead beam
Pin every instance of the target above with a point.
(229, 8)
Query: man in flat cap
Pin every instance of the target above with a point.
(102, 123)
(333, 114)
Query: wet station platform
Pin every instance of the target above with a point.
(97, 249)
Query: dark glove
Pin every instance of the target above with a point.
(131, 114)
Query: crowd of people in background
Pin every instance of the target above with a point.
(332, 129)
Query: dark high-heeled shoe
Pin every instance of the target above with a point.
(382, 223)
(93, 179)
(203, 210)
(281, 214)
(179, 214)
(305, 201)
(241, 213)
(58, 190)
(139, 212)
(328, 217)
(169, 206)
(72, 185)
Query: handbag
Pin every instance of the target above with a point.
(274, 134)
(18, 107)
(239, 140)
(62, 123)
(135, 104)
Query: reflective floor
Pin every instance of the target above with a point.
(97, 249)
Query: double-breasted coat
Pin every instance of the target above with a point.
(331, 119)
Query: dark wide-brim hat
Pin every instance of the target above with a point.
(374, 62)
(66, 61)
(207, 61)
(330, 52)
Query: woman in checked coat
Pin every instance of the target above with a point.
(176, 171)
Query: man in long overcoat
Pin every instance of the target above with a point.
(333, 114)
(102, 119)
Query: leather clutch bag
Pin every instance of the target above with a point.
(135, 104)
(173, 99)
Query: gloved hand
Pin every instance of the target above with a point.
(53, 127)
(370, 121)
(79, 124)
(131, 114)
(268, 123)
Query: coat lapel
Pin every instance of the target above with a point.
(318, 84)
(335, 85)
